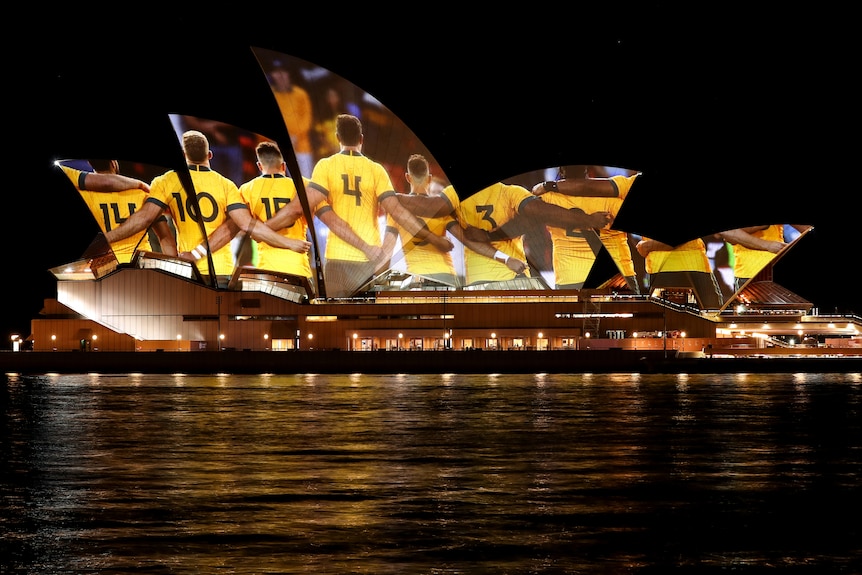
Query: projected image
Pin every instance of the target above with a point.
(710, 271)
(751, 249)
(590, 189)
(244, 212)
(113, 192)
(681, 273)
(355, 152)
(350, 201)
(531, 232)
(415, 263)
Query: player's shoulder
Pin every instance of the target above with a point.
(164, 181)
(166, 175)
(324, 163)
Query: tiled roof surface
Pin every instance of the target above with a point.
(770, 294)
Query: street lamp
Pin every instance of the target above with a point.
(54, 342)
(354, 341)
(220, 341)
(179, 338)
(400, 336)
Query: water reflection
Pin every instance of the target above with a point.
(403, 474)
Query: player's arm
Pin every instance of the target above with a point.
(219, 238)
(137, 222)
(288, 214)
(560, 217)
(413, 225)
(589, 187)
(742, 236)
(167, 240)
(343, 230)
(517, 226)
(485, 247)
(646, 245)
(107, 183)
(425, 206)
(260, 232)
(390, 240)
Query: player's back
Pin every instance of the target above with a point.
(493, 206)
(112, 209)
(352, 184)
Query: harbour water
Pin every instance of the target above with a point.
(431, 474)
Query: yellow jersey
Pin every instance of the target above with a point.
(265, 195)
(747, 262)
(353, 186)
(216, 196)
(489, 209)
(575, 250)
(112, 209)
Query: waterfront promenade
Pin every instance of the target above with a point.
(438, 361)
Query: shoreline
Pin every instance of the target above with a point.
(405, 361)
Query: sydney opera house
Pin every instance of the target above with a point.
(532, 263)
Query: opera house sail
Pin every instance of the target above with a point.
(338, 229)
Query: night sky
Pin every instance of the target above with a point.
(736, 120)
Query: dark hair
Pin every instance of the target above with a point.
(195, 146)
(268, 154)
(417, 166)
(348, 128)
